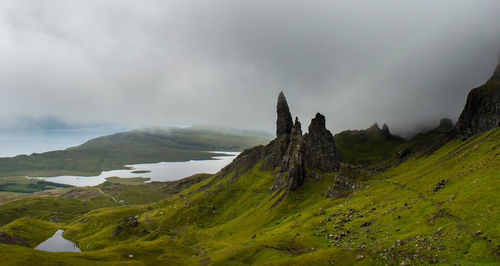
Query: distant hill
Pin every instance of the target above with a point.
(193, 138)
(133, 147)
(378, 148)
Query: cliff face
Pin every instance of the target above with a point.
(482, 109)
(295, 154)
(292, 171)
(320, 150)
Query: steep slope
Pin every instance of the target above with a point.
(377, 148)
(369, 147)
(436, 206)
(406, 214)
(482, 109)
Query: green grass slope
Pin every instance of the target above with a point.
(441, 207)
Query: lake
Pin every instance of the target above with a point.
(57, 243)
(164, 171)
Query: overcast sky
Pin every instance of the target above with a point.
(143, 63)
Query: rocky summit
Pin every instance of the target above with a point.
(482, 109)
(295, 155)
(284, 123)
(321, 152)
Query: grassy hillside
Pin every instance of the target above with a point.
(192, 138)
(134, 147)
(439, 207)
(370, 148)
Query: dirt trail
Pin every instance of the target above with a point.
(105, 194)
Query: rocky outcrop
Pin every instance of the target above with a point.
(348, 178)
(385, 133)
(295, 154)
(320, 150)
(482, 109)
(284, 123)
(496, 74)
(292, 171)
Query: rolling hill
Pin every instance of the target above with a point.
(138, 146)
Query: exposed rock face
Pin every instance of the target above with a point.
(386, 134)
(321, 152)
(274, 152)
(482, 109)
(284, 123)
(346, 180)
(445, 124)
(292, 171)
(496, 74)
(292, 152)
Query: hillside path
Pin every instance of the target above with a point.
(105, 194)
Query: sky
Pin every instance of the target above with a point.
(223, 62)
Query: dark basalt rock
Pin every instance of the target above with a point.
(496, 74)
(292, 171)
(284, 123)
(386, 134)
(274, 152)
(292, 152)
(321, 152)
(482, 109)
(445, 124)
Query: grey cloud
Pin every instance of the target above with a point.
(219, 62)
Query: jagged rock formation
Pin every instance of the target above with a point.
(284, 123)
(482, 109)
(321, 152)
(292, 171)
(295, 155)
(372, 132)
(386, 134)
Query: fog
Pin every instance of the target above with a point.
(223, 63)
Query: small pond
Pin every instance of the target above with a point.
(57, 243)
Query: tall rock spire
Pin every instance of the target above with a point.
(284, 123)
(293, 171)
